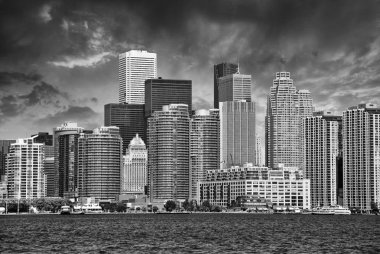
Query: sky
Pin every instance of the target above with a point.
(58, 59)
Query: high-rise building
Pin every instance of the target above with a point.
(49, 169)
(128, 117)
(260, 159)
(237, 133)
(4, 150)
(135, 66)
(25, 169)
(321, 152)
(286, 107)
(134, 173)
(361, 156)
(169, 153)
(221, 70)
(204, 145)
(235, 87)
(66, 159)
(160, 92)
(99, 163)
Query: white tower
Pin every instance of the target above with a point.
(135, 66)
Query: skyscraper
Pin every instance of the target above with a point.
(237, 133)
(204, 145)
(235, 87)
(128, 117)
(135, 66)
(321, 151)
(4, 150)
(25, 169)
(221, 70)
(260, 159)
(134, 173)
(361, 156)
(66, 159)
(100, 163)
(49, 169)
(169, 153)
(160, 92)
(286, 107)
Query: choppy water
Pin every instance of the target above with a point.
(196, 233)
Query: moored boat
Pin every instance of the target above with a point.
(340, 210)
(323, 211)
(65, 210)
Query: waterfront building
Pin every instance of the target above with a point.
(361, 156)
(49, 169)
(129, 118)
(260, 158)
(237, 133)
(135, 66)
(25, 170)
(235, 87)
(4, 150)
(169, 153)
(321, 152)
(283, 186)
(204, 145)
(66, 160)
(160, 92)
(221, 70)
(134, 173)
(100, 163)
(286, 107)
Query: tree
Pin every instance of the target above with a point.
(193, 205)
(186, 205)
(216, 209)
(155, 209)
(170, 205)
(121, 208)
(206, 206)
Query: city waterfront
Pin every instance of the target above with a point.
(196, 233)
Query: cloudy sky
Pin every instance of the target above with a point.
(58, 59)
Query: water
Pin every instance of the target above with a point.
(195, 233)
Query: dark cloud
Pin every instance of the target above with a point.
(330, 47)
(7, 78)
(85, 116)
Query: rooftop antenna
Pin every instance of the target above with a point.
(238, 66)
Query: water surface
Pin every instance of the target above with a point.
(195, 233)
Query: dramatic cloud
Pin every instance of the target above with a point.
(331, 48)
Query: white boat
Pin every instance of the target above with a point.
(65, 210)
(325, 210)
(331, 210)
(340, 210)
(89, 208)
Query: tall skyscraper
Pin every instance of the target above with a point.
(204, 146)
(100, 163)
(135, 66)
(260, 159)
(25, 169)
(49, 169)
(237, 133)
(221, 70)
(169, 153)
(66, 159)
(361, 156)
(4, 150)
(128, 117)
(321, 151)
(134, 172)
(235, 87)
(286, 107)
(160, 92)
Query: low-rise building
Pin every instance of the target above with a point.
(283, 186)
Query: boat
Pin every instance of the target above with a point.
(331, 210)
(325, 210)
(340, 210)
(65, 210)
(88, 209)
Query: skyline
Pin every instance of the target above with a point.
(59, 60)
